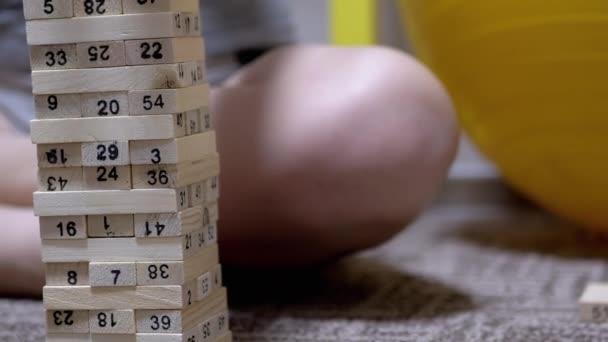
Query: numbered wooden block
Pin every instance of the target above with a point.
(206, 122)
(174, 151)
(113, 79)
(67, 274)
(152, 102)
(112, 322)
(53, 57)
(177, 272)
(190, 244)
(593, 304)
(107, 274)
(57, 106)
(47, 9)
(67, 337)
(63, 227)
(59, 155)
(64, 321)
(142, 201)
(87, 8)
(105, 104)
(150, 6)
(150, 127)
(202, 240)
(212, 233)
(165, 50)
(197, 194)
(183, 198)
(217, 276)
(213, 329)
(110, 226)
(210, 214)
(105, 28)
(212, 189)
(120, 249)
(159, 321)
(101, 54)
(221, 323)
(107, 177)
(204, 286)
(160, 225)
(105, 153)
(60, 179)
(174, 176)
(194, 20)
(193, 122)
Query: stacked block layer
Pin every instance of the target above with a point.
(128, 171)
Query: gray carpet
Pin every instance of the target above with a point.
(466, 273)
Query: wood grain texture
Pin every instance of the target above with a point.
(36, 9)
(174, 176)
(107, 28)
(193, 122)
(106, 104)
(159, 225)
(60, 179)
(174, 151)
(112, 322)
(53, 57)
(197, 194)
(112, 274)
(177, 272)
(165, 50)
(212, 190)
(60, 320)
(67, 274)
(160, 76)
(113, 298)
(67, 337)
(104, 129)
(113, 250)
(110, 226)
(142, 201)
(135, 6)
(63, 227)
(103, 153)
(57, 106)
(149, 102)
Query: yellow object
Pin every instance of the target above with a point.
(530, 80)
(354, 22)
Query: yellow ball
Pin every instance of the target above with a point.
(530, 80)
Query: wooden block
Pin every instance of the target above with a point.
(139, 77)
(67, 321)
(165, 50)
(206, 123)
(113, 250)
(112, 322)
(159, 225)
(57, 106)
(113, 298)
(60, 179)
(59, 155)
(63, 227)
(193, 122)
(107, 178)
(67, 274)
(110, 202)
(222, 323)
(113, 338)
(226, 338)
(212, 233)
(178, 321)
(104, 274)
(204, 286)
(201, 239)
(105, 129)
(109, 104)
(183, 198)
(215, 327)
(197, 194)
(106, 28)
(173, 151)
(53, 57)
(152, 102)
(218, 276)
(86, 8)
(210, 214)
(105, 153)
(150, 6)
(177, 272)
(53, 9)
(212, 190)
(101, 54)
(593, 304)
(174, 176)
(110, 226)
(67, 337)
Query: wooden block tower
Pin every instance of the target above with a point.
(128, 172)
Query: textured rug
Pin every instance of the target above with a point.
(461, 273)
